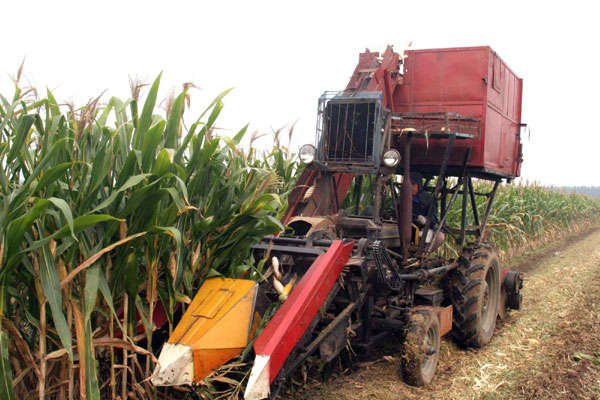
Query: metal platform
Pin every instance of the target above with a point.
(438, 125)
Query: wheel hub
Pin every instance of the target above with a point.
(486, 296)
(429, 342)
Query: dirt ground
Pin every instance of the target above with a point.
(548, 350)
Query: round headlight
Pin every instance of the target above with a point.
(391, 158)
(307, 153)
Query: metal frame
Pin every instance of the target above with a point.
(452, 127)
(349, 158)
(437, 124)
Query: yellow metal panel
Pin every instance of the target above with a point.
(219, 323)
(233, 329)
(195, 323)
(212, 303)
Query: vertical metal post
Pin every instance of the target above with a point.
(337, 133)
(368, 318)
(492, 196)
(474, 204)
(377, 199)
(346, 107)
(438, 186)
(335, 194)
(463, 218)
(358, 188)
(454, 195)
(405, 220)
(444, 197)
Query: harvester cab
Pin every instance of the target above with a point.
(352, 266)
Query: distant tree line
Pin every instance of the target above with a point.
(593, 191)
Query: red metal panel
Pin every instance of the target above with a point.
(294, 316)
(474, 82)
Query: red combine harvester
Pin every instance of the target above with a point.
(394, 151)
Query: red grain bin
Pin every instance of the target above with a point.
(473, 82)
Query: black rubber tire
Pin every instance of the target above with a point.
(514, 301)
(475, 294)
(421, 348)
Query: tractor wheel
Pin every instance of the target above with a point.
(421, 348)
(475, 295)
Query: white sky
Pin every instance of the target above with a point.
(280, 56)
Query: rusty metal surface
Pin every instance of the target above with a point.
(375, 73)
(444, 315)
(312, 224)
(436, 125)
(405, 220)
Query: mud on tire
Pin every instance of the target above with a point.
(421, 348)
(475, 294)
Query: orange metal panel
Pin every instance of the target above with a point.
(219, 323)
(206, 361)
(444, 315)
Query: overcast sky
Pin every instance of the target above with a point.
(280, 56)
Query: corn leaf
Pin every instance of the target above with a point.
(51, 285)
(6, 390)
(146, 118)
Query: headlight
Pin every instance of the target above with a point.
(307, 153)
(391, 158)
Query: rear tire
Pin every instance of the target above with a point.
(421, 348)
(475, 295)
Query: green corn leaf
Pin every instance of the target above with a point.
(172, 130)
(51, 286)
(66, 211)
(146, 118)
(52, 103)
(131, 182)
(128, 169)
(131, 274)
(91, 376)
(6, 380)
(16, 232)
(21, 193)
(150, 143)
(163, 162)
(106, 293)
(191, 134)
(8, 117)
(92, 282)
(183, 146)
(176, 198)
(238, 137)
(168, 230)
(80, 224)
(52, 175)
(21, 134)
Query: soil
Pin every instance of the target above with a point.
(550, 349)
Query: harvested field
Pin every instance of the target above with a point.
(548, 350)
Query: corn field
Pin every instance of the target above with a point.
(527, 214)
(111, 214)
